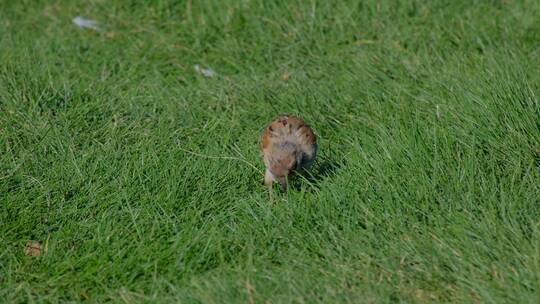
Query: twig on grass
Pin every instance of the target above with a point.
(222, 157)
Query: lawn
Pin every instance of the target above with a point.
(141, 179)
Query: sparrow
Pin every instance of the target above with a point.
(288, 145)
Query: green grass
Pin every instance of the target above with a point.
(427, 186)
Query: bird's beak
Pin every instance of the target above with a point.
(283, 183)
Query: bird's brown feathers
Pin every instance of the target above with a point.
(287, 144)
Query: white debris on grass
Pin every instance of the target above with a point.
(206, 72)
(86, 23)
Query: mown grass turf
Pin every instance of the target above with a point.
(426, 189)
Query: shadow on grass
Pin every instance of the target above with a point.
(324, 167)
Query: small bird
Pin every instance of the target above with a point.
(288, 145)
